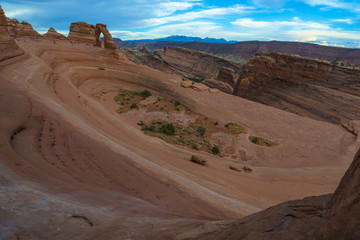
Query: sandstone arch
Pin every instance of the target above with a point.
(108, 40)
(90, 34)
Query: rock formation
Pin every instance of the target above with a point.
(344, 218)
(327, 217)
(201, 65)
(108, 40)
(23, 29)
(8, 47)
(305, 86)
(53, 34)
(82, 32)
(90, 34)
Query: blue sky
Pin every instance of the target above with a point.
(334, 22)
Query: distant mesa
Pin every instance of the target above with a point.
(53, 34)
(90, 34)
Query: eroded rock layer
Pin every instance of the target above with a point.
(305, 86)
(8, 47)
(21, 29)
(202, 65)
(53, 34)
(318, 218)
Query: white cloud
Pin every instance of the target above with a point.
(295, 23)
(345, 20)
(203, 14)
(20, 13)
(327, 3)
(167, 8)
(270, 3)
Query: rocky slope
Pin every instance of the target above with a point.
(213, 71)
(21, 29)
(243, 51)
(8, 47)
(324, 217)
(304, 86)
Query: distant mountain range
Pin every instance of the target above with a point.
(182, 38)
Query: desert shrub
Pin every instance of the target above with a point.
(177, 103)
(134, 106)
(262, 141)
(195, 79)
(216, 123)
(167, 129)
(195, 146)
(145, 94)
(215, 150)
(235, 128)
(201, 130)
(334, 62)
(150, 128)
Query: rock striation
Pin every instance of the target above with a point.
(21, 29)
(82, 32)
(344, 218)
(90, 34)
(53, 34)
(201, 65)
(8, 48)
(305, 86)
(108, 40)
(323, 217)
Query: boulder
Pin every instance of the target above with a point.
(198, 160)
(222, 86)
(200, 87)
(186, 83)
(214, 90)
(247, 169)
(53, 34)
(235, 169)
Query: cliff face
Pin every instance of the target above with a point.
(90, 34)
(21, 29)
(327, 217)
(344, 218)
(215, 70)
(8, 47)
(82, 32)
(301, 85)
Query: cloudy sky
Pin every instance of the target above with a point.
(334, 22)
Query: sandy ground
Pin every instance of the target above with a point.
(72, 166)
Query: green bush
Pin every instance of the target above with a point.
(201, 130)
(215, 150)
(177, 103)
(145, 94)
(216, 123)
(134, 106)
(167, 129)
